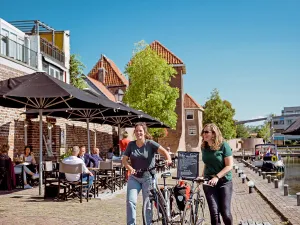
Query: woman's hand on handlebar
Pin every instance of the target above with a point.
(168, 162)
(132, 171)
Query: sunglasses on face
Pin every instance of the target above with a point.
(206, 132)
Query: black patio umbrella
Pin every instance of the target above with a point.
(41, 91)
(294, 128)
(119, 120)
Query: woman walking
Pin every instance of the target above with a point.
(218, 162)
(141, 154)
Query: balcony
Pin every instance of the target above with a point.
(51, 50)
(17, 51)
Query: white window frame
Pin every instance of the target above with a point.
(189, 113)
(192, 130)
(55, 71)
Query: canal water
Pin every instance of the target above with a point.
(291, 174)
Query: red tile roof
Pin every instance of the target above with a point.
(190, 103)
(165, 53)
(102, 88)
(113, 76)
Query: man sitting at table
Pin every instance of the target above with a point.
(96, 156)
(73, 159)
(86, 157)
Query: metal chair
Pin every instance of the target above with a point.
(75, 188)
(106, 176)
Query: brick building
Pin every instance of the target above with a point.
(28, 49)
(193, 123)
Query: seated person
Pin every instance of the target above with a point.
(28, 157)
(87, 158)
(73, 159)
(96, 156)
(110, 153)
(18, 168)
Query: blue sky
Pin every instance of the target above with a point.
(248, 49)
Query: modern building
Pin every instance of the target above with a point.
(31, 46)
(280, 123)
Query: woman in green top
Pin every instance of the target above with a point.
(218, 162)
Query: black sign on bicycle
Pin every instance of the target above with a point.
(188, 164)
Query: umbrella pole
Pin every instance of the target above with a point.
(88, 135)
(119, 133)
(41, 153)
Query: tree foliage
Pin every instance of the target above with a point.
(149, 88)
(221, 113)
(265, 132)
(242, 131)
(76, 72)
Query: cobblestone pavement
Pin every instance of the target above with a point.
(287, 205)
(26, 207)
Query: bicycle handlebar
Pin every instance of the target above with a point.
(199, 180)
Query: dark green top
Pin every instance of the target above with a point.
(214, 160)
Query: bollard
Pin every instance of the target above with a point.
(243, 178)
(256, 169)
(286, 190)
(259, 172)
(269, 178)
(236, 169)
(276, 183)
(273, 178)
(298, 198)
(264, 175)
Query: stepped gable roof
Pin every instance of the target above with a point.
(113, 76)
(102, 88)
(165, 53)
(190, 103)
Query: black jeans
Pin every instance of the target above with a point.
(219, 201)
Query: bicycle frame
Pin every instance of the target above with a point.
(162, 198)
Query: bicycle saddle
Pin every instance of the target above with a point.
(165, 175)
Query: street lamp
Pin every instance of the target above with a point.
(119, 94)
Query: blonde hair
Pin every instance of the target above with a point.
(217, 139)
(125, 134)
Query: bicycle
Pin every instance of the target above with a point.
(193, 213)
(161, 203)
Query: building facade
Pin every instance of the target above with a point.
(193, 123)
(31, 46)
(280, 123)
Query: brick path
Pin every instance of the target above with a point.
(26, 207)
(287, 205)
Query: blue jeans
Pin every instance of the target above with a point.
(134, 186)
(91, 179)
(219, 202)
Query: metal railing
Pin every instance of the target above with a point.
(51, 50)
(17, 51)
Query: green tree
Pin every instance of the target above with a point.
(265, 132)
(242, 131)
(149, 88)
(76, 72)
(221, 113)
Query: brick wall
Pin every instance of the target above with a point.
(12, 128)
(193, 142)
(176, 138)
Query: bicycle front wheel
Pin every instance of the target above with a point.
(199, 210)
(187, 217)
(153, 213)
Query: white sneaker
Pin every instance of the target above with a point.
(27, 186)
(35, 176)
